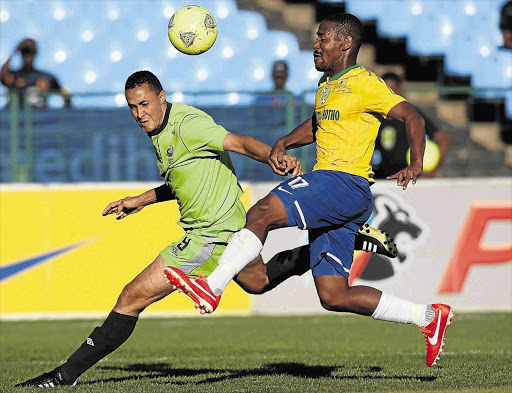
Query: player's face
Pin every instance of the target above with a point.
(327, 50)
(147, 107)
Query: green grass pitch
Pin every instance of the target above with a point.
(321, 353)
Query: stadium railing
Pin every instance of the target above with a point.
(97, 139)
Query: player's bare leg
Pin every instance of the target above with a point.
(146, 288)
(336, 295)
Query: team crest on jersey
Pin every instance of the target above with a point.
(169, 153)
(325, 93)
(342, 87)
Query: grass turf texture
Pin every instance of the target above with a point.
(327, 353)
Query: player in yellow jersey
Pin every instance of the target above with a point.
(334, 200)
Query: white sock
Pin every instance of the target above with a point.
(242, 249)
(393, 309)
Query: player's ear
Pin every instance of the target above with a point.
(347, 42)
(162, 96)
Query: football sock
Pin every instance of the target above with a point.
(286, 264)
(114, 331)
(242, 249)
(393, 309)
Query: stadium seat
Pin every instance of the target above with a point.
(253, 23)
(281, 44)
(365, 10)
(393, 19)
(302, 73)
(493, 71)
(459, 59)
(91, 49)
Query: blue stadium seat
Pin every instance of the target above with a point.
(426, 37)
(281, 44)
(302, 73)
(364, 10)
(393, 19)
(96, 48)
(493, 71)
(459, 59)
(253, 23)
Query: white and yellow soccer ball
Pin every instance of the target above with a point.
(192, 30)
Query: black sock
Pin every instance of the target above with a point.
(103, 340)
(286, 264)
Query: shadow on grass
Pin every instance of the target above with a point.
(212, 375)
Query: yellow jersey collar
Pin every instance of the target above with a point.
(338, 76)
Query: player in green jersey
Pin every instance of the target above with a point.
(192, 154)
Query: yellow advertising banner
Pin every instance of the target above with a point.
(60, 257)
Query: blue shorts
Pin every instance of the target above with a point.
(332, 205)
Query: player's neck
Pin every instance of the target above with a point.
(340, 67)
(164, 111)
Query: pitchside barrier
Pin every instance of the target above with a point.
(97, 139)
(59, 257)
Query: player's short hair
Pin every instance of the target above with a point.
(347, 25)
(392, 76)
(140, 77)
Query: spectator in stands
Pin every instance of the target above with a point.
(279, 96)
(506, 24)
(391, 145)
(280, 75)
(28, 82)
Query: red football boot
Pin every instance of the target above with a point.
(435, 331)
(195, 288)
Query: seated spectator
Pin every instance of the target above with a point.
(28, 82)
(391, 145)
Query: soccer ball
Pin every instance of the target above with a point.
(192, 30)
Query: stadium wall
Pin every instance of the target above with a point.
(60, 258)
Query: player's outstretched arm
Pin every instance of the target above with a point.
(259, 151)
(302, 135)
(415, 127)
(131, 205)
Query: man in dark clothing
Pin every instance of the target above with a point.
(27, 82)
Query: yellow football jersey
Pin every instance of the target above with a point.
(348, 110)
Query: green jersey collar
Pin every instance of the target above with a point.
(338, 76)
(164, 122)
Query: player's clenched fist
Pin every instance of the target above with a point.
(292, 165)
